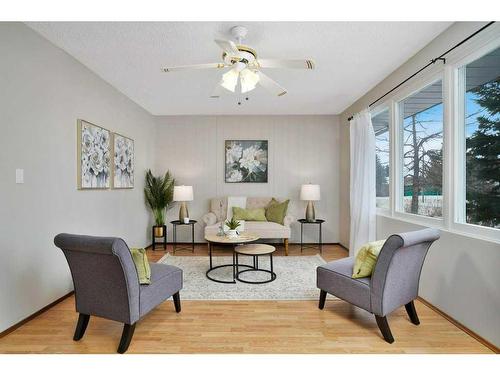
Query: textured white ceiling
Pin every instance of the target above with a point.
(351, 58)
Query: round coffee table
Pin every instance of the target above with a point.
(255, 250)
(213, 239)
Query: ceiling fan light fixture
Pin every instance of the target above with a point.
(230, 80)
(245, 67)
(249, 80)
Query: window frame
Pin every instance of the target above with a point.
(482, 44)
(457, 218)
(387, 105)
(398, 211)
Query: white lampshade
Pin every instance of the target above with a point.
(309, 192)
(183, 193)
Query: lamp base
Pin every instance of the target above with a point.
(310, 214)
(183, 212)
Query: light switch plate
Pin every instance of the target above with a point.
(19, 176)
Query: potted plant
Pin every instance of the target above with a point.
(159, 193)
(233, 226)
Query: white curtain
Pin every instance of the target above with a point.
(363, 201)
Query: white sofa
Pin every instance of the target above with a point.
(264, 229)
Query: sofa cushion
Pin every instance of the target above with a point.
(335, 278)
(276, 212)
(249, 214)
(166, 280)
(258, 202)
(232, 202)
(264, 229)
(219, 205)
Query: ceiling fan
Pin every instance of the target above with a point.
(245, 66)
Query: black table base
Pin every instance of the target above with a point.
(212, 268)
(319, 246)
(255, 268)
(176, 247)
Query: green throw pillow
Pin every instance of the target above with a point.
(276, 212)
(249, 214)
(366, 259)
(142, 265)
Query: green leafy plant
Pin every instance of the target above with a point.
(232, 224)
(159, 193)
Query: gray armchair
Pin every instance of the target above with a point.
(106, 283)
(394, 281)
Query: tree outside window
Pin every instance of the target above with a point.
(422, 151)
(482, 141)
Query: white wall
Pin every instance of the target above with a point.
(43, 91)
(460, 275)
(301, 149)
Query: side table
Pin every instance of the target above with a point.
(175, 223)
(319, 222)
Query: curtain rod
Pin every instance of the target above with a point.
(433, 61)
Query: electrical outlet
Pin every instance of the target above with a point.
(19, 176)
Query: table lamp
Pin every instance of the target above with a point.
(310, 193)
(183, 194)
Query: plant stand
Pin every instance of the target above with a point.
(155, 237)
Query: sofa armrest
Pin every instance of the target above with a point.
(288, 220)
(209, 218)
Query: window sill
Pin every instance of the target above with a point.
(419, 219)
(465, 230)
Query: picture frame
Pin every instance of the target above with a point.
(93, 156)
(246, 161)
(123, 162)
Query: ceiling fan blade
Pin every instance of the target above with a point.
(193, 67)
(270, 85)
(228, 46)
(292, 64)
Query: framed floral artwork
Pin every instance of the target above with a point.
(93, 156)
(246, 161)
(123, 162)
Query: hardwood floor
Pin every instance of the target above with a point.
(245, 327)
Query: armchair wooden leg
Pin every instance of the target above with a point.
(177, 302)
(322, 299)
(286, 246)
(128, 332)
(412, 313)
(81, 326)
(383, 325)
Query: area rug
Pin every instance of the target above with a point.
(296, 278)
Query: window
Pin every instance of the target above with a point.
(421, 151)
(380, 123)
(480, 91)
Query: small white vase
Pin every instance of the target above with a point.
(232, 233)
